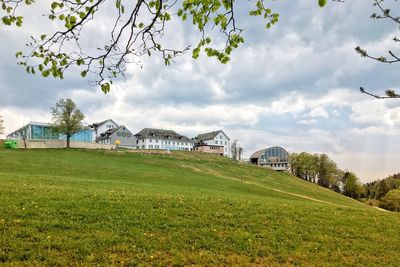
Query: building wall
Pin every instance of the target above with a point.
(126, 138)
(218, 150)
(61, 144)
(165, 144)
(277, 166)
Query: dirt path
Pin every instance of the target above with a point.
(309, 198)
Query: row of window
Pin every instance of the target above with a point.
(123, 134)
(158, 147)
(169, 142)
(220, 142)
(221, 137)
(278, 165)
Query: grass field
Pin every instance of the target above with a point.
(76, 207)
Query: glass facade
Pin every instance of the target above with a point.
(82, 136)
(44, 132)
(274, 154)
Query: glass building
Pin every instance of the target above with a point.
(44, 131)
(276, 158)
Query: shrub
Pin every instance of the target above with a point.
(391, 201)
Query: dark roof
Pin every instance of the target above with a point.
(162, 134)
(210, 135)
(109, 132)
(97, 124)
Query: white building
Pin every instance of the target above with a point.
(163, 139)
(101, 127)
(121, 133)
(216, 138)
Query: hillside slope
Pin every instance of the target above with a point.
(99, 207)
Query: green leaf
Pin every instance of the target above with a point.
(322, 3)
(105, 87)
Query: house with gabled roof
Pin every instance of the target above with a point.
(215, 138)
(101, 127)
(121, 134)
(150, 138)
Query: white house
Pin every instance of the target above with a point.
(149, 138)
(101, 127)
(216, 138)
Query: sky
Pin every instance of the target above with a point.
(294, 85)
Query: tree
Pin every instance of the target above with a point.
(391, 57)
(327, 172)
(240, 153)
(1, 125)
(351, 185)
(137, 30)
(391, 201)
(67, 118)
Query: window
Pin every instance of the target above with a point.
(150, 146)
(156, 140)
(216, 142)
(157, 147)
(173, 143)
(143, 147)
(226, 143)
(221, 142)
(150, 140)
(142, 140)
(226, 150)
(220, 137)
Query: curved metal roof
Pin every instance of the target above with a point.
(258, 153)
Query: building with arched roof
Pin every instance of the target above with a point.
(276, 158)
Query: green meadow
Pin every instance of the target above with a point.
(78, 207)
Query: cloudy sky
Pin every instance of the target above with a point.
(295, 85)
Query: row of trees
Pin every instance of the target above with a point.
(385, 192)
(320, 169)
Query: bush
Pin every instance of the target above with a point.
(391, 201)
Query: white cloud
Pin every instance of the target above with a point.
(308, 122)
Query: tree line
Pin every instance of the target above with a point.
(384, 193)
(320, 169)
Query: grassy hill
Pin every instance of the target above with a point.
(60, 207)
